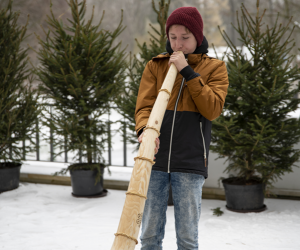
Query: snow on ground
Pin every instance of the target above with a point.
(42, 217)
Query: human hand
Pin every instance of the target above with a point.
(157, 142)
(179, 60)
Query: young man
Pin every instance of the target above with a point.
(182, 149)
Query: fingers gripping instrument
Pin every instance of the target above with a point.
(131, 218)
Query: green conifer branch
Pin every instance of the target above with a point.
(18, 100)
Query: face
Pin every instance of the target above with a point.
(182, 39)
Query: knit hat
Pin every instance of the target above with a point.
(190, 18)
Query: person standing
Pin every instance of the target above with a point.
(182, 149)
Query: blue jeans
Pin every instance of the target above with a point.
(187, 192)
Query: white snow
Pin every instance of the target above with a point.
(44, 217)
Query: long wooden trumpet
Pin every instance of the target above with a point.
(131, 218)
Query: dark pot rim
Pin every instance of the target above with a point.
(236, 181)
(84, 170)
(70, 167)
(10, 165)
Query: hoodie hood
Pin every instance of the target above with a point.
(202, 49)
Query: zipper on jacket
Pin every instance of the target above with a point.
(175, 108)
(203, 143)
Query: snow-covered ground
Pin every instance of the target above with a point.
(42, 217)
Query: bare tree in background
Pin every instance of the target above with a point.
(138, 16)
(136, 13)
(37, 11)
(211, 14)
(286, 9)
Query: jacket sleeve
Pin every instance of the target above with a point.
(146, 97)
(209, 96)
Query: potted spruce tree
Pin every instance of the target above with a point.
(81, 70)
(18, 100)
(256, 132)
(126, 102)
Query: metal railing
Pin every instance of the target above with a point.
(65, 157)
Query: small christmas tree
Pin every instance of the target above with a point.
(127, 101)
(81, 71)
(18, 101)
(255, 131)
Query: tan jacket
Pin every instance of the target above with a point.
(186, 126)
(204, 94)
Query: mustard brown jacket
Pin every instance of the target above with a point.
(186, 127)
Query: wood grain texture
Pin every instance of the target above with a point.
(132, 213)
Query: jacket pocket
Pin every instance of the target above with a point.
(204, 147)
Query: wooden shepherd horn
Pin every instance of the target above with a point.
(131, 218)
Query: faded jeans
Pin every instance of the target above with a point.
(187, 192)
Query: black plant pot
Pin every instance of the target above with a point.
(83, 183)
(244, 198)
(9, 176)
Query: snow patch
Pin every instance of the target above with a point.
(43, 217)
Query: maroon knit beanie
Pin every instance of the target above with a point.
(190, 18)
